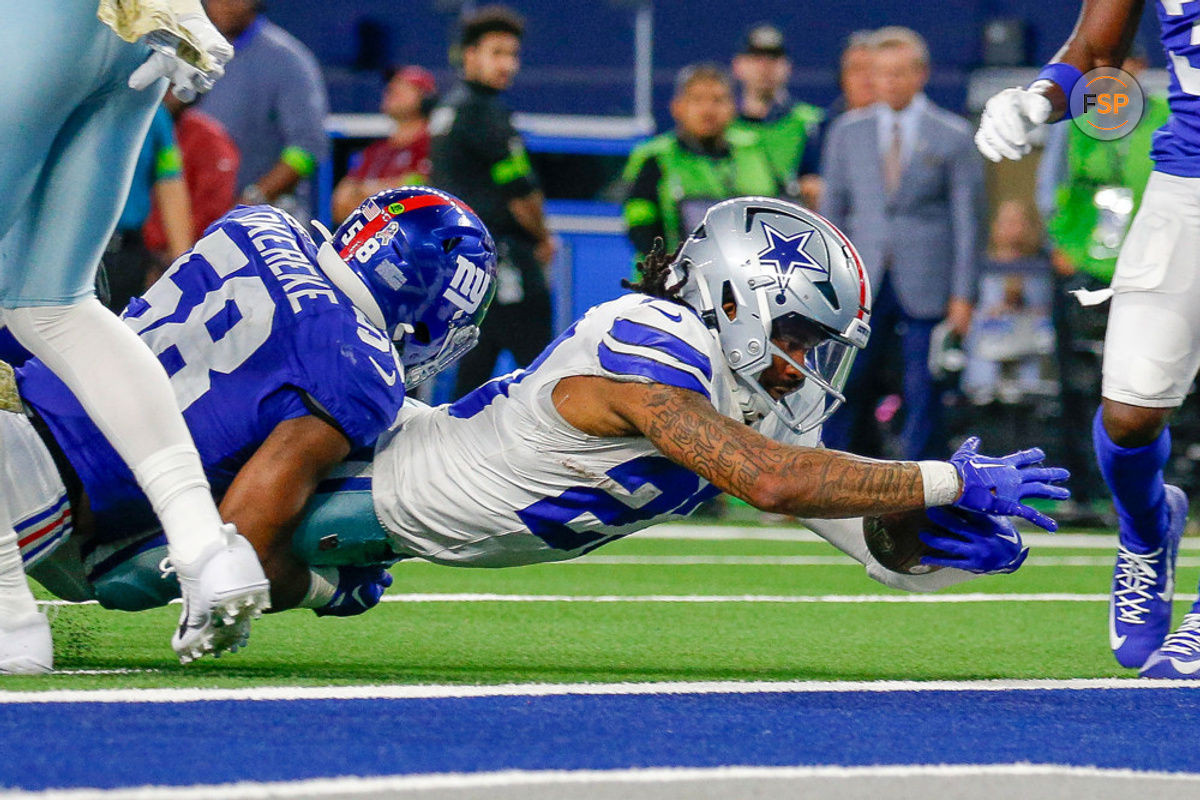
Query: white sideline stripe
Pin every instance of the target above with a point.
(789, 561)
(974, 597)
(840, 560)
(115, 671)
(441, 691)
(921, 599)
(686, 531)
(337, 787)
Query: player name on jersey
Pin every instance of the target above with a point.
(276, 242)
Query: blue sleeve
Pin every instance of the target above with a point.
(652, 343)
(168, 160)
(284, 404)
(302, 106)
(163, 128)
(357, 385)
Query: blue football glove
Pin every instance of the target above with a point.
(980, 543)
(997, 485)
(359, 589)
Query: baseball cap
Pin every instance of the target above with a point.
(764, 39)
(417, 76)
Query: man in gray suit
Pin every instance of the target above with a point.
(905, 182)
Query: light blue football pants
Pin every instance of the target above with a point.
(70, 132)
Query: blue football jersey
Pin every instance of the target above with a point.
(1176, 149)
(251, 333)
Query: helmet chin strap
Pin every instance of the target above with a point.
(751, 403)
(756, 402)
(707, 309)
(344, 278)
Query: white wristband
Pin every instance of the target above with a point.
(322, 586)
(940, 481)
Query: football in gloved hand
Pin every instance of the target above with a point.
(894, 540)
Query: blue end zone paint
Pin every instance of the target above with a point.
(118, 745)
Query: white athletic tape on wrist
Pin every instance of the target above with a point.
(322, 586)
(940, 481)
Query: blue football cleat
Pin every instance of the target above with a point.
(1139, 610)
(1179, 656)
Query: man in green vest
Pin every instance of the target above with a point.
(675, 177)
(788, 130)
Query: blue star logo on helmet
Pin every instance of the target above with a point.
(787, 253)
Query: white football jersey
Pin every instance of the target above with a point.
(500, 479)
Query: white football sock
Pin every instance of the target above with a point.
(174, 481)
(123, 388)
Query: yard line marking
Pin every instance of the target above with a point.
(789, 561)
(443, 691)
(691, 531)
(339, 787)
(114, 671)
(973, 597)
(833, 561)
(491, 597)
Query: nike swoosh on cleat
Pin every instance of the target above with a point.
(1169, 589)
(1114, 641)
(1185, 667)
(183, 620)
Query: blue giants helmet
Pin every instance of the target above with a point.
(429, 264)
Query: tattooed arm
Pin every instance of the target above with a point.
(683, 425)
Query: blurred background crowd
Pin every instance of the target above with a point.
(633, 117)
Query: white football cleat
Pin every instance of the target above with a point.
(26, 647)
(223, 590)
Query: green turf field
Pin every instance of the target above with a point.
(561, 636)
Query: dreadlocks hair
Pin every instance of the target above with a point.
(655, 270)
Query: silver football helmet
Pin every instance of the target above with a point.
(758, 269)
